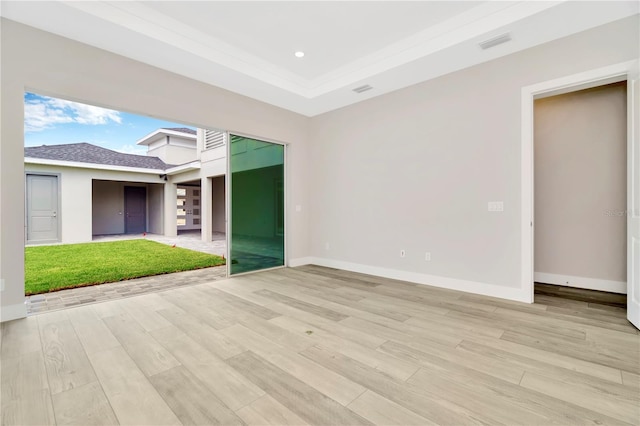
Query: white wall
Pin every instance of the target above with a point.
(581, 187)
(218, 153)
(414, 169)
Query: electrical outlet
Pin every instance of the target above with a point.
(427, 256)
(327, 246)
(402, 253)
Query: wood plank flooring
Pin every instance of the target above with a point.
(320, 346)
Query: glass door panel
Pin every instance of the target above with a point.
(188, 208)
(257, 205)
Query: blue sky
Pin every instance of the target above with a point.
(53, 121)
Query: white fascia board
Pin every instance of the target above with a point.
(81, 165)
(195, 165)
(183, 142)
(146, 140)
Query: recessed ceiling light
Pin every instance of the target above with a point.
(299, 54)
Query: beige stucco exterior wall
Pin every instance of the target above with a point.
(155, 208)
(108, 207)
(218, 206)
(81, 214)
(107, 210)
(44, 63)
(74, 197)
(174, 154)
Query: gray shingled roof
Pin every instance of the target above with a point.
(181, 129)
(87, 153)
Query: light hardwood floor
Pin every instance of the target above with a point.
(314, 345)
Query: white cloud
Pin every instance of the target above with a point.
(132, 149)
(42, 113)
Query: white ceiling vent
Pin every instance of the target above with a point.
(502, 38)
(361, 89)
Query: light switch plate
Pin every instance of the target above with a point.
(495, 206)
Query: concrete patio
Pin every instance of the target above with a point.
(191, 240)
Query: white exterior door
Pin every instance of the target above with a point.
(42, 208)
(188, 208)
(633, 200)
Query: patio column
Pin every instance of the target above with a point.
(170, 212)
(206, 206)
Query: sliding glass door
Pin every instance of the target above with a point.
(257, 203)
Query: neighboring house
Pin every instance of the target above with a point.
(77, 191)
(176, 145)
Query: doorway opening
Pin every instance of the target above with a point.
(580, 190)
(257, 203)
(625, 71)
(101, 191)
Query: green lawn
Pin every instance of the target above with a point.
(49, 268)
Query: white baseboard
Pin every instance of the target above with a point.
(581, 282)
(11, 312)
(474, 287)
(300, 261)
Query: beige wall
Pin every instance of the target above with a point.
(107, 208)
(81, 214)
(218, 208)
(155, 208)
(415, 169)
(172, 154)
(38, 61)
(580, 183)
